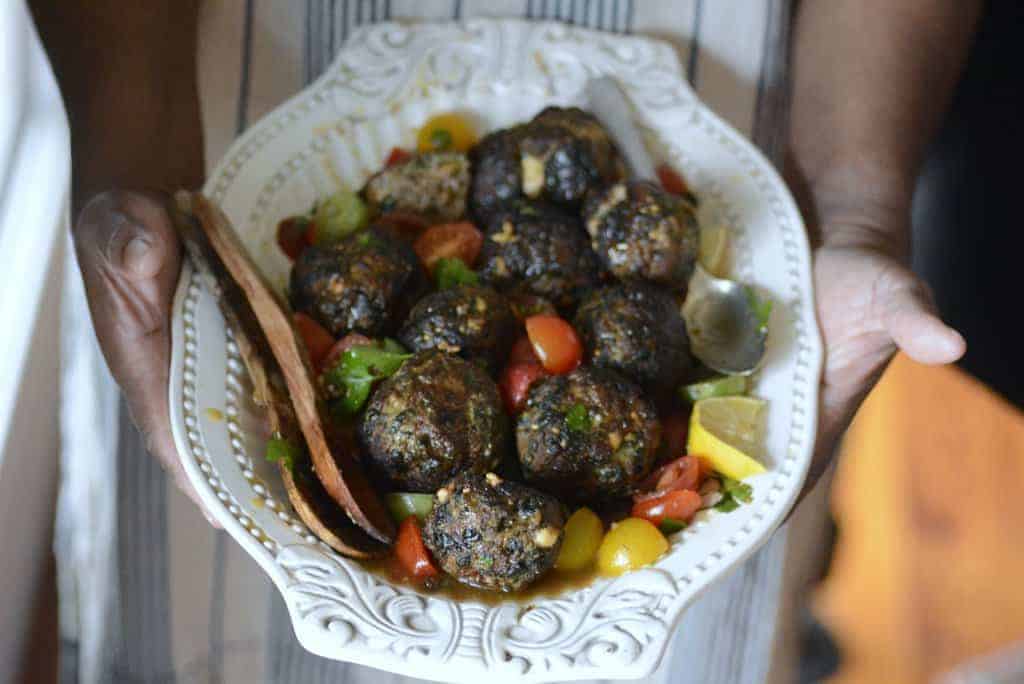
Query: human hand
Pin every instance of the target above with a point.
(869, 306)
(130, 257)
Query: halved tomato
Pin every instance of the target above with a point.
(683, 473)
(411, 552)
(317, 340)
(449, 241)
(397, 156)
(555, 343)
(672, 181)
(515, 384)
(522, 352)
(678, 504)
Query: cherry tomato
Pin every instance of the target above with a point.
(397, 156)
(555, 343)
(672, 181)
(317, 340)
(522, 352)
(683, 473)
(678, 504)
(515, 384)
(445, 132)
(447, 241)
(342, 346)
(411, 552)
(293, 235)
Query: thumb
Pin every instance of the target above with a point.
(130, 257)
(911, 320)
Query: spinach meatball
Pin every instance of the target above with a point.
(538, 249)
(474, 322)
(637, 330)
(433, 184)
(557, 157)
(362, 284)
(493, 533)
(587, 436)
(437, 416)
(641, 232)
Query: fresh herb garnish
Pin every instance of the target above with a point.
(353, 376)
(441, 139)
(452, 272)
(734, 494)
(762, 307)
(280, 450)
(577, 418)
(671, 525)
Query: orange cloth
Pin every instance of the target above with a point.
(928, 568)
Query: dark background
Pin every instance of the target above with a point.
(968, 240)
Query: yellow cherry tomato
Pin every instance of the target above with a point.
(445, 133)
(631, 544)
(583, 533)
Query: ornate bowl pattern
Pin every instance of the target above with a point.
(386, 81)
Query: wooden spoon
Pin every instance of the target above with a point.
(339, 474)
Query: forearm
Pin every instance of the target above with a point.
(872, 79)
(128, 75)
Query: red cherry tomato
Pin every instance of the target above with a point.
(342, 346)
(449, 240)
(522, 352)
(515, 384)
(672, 181)
(683, 473)
(678, 504)
(555, 343)
(411, 552)
(317, 340)
(293, 235)
(397, 156)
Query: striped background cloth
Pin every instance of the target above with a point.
(149, 592)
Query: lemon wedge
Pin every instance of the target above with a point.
(714, 243)
(729, 433)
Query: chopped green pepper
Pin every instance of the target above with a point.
(403, 504)
(452, 272)
(339, 216)
(280, 450)
(722, 386)
(352, 377)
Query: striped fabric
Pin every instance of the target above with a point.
(158, 596)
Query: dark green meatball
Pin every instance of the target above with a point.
(557, 157)
(436, 417)
(641, 232)
(540, 250)
(588, 436)
(637, 330)
(493, 533)
(433, 184)
(363, 284)
(474, 322)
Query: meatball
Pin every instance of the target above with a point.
(363, 284)
(496, 179)
(474, 322)
(587, 436)
(637, 330)
(540, 250)
(558, 156)
(642, 232)
(436, 417)
(434, 184)
(492, 533)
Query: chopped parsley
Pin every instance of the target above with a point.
(578, 419)
(734, 494)
(353, 376)
(453, 272)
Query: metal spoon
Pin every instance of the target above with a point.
(725, 330)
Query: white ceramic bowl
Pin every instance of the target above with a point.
(387, 80)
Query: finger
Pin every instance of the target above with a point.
(918, 331)
(130, 258)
